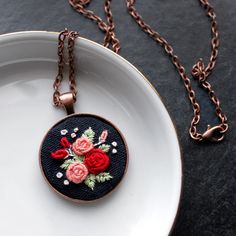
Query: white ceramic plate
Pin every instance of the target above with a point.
(147, 200)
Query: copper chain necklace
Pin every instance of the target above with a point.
(199, 70)
(83, 157)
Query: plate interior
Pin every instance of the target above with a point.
(147, 200)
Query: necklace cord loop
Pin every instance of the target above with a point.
(58, 98)
(199, 70)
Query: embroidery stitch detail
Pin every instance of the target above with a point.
(114, 144)
(64, 132)
(59, 175)
(76, 129)
(84, 162)
(114, 151)
(59, 154)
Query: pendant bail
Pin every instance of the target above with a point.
(67, 100)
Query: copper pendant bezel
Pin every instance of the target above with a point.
(78, 200)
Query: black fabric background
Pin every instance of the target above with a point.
(51, 167)
(208, 200)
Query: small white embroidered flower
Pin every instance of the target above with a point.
(59, 175)
(73, 135)
(114, 144)
(76, 129)
(66, 182)
(114, 151)
(64, 132)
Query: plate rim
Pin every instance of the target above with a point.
(180, 154)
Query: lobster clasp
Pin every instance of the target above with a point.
(213, 134)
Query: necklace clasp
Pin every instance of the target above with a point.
(213, 134)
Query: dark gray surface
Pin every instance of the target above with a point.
(208, 200)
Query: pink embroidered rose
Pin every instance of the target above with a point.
(82, 145)
(77, 172)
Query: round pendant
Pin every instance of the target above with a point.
(83, 157)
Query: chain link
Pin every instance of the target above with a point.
(110, 39)
(70, 36)
(199, 71)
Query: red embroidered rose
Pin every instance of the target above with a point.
(59, 154)
(65, 143)
(82, 145)
(77, 172)
(96, 161)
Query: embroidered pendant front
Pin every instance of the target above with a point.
(83, 157)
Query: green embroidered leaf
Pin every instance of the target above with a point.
(102, 177)
(92, 177)
(66, 163)
(78, 158)
(105, 147)
(90, 181)
(89, 133)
